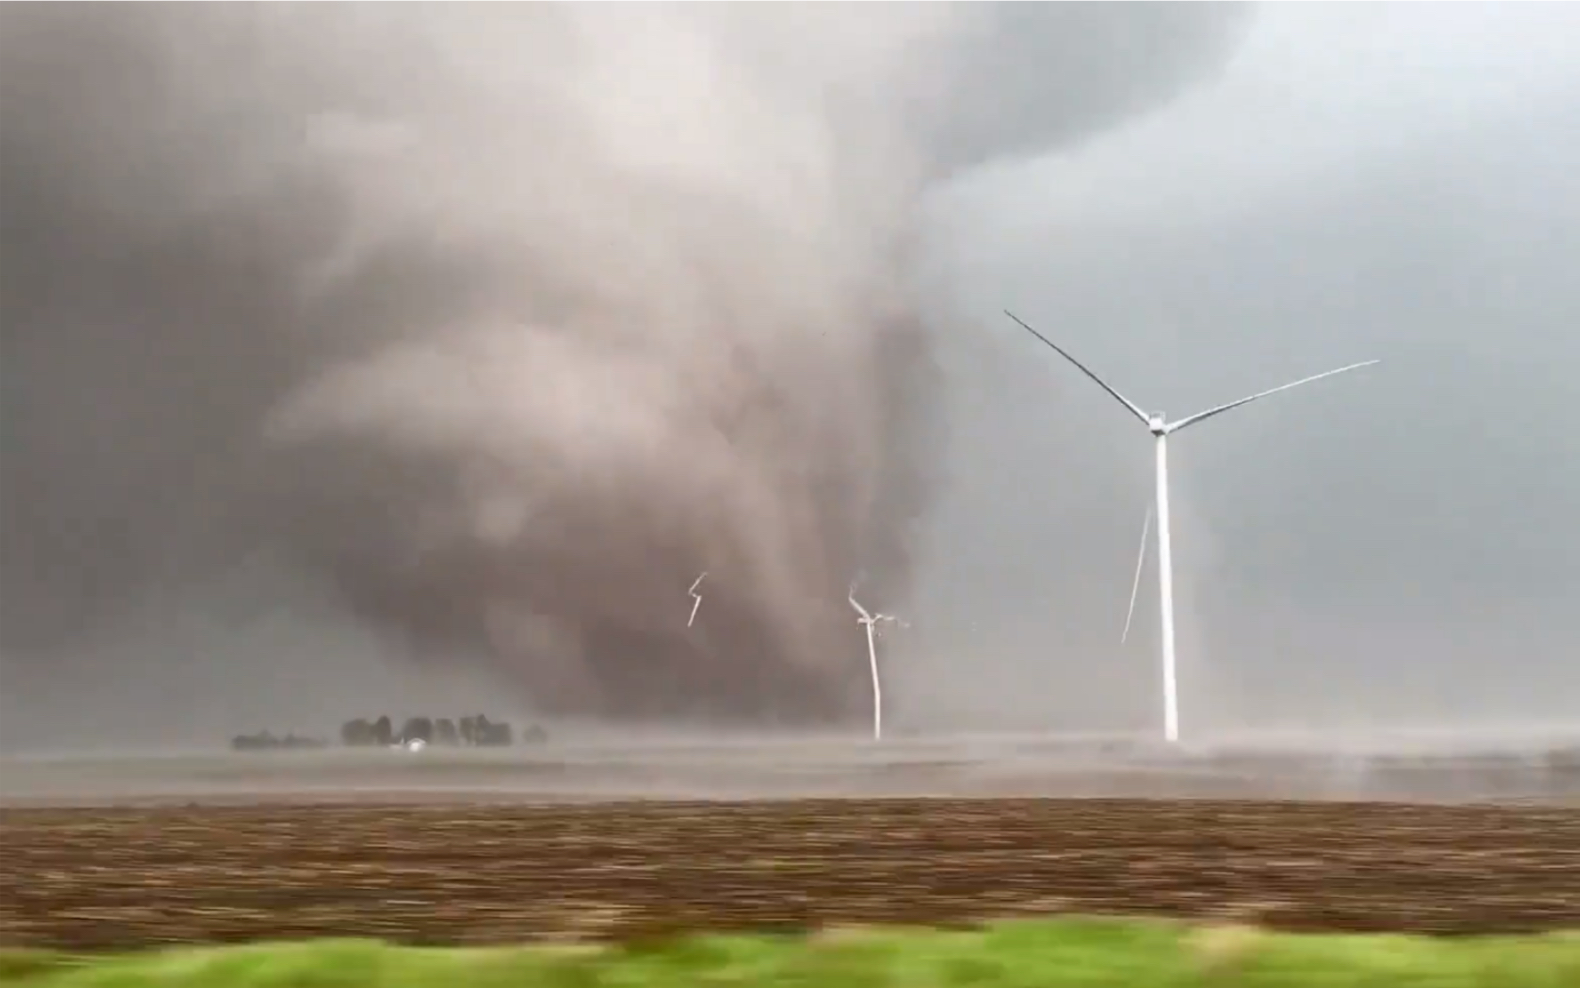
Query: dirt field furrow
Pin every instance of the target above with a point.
(82, 878)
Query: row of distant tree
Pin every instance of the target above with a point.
(476, 731)
(264, 741)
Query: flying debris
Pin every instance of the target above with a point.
(696, 598)
(1161, 428)
(1135, 584)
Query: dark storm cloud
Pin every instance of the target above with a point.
(489, 327)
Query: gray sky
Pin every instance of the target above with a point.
(1355, 181)
(1393, 546)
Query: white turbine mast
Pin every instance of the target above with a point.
(871, 621)
(696, 598)
(1161, 429)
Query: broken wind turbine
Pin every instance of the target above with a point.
(1161, 429)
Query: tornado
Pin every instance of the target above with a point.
(501, 323)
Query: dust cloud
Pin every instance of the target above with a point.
(485, 329)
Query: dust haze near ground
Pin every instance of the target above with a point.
(1534, 765)
(337, 337)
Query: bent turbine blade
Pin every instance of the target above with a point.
(1209, 413)
(1141, 558)
(696, 598)
(858, 608)
(1134, 408)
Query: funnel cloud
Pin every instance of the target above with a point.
(487, 328)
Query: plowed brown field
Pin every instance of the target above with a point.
(121, 877)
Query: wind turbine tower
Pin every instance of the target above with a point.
(871, 621)
(1161, 429)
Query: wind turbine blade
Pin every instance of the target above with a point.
(1209, 413)
(696, 598)
(857, 607)
(1134, 408)
(1135, 584)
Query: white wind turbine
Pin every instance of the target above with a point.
(1161, 428)
(871, 622)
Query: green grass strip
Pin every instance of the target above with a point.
(1023, 954)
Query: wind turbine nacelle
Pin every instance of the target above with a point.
(1157, 423)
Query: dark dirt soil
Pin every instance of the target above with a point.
(102, 878)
